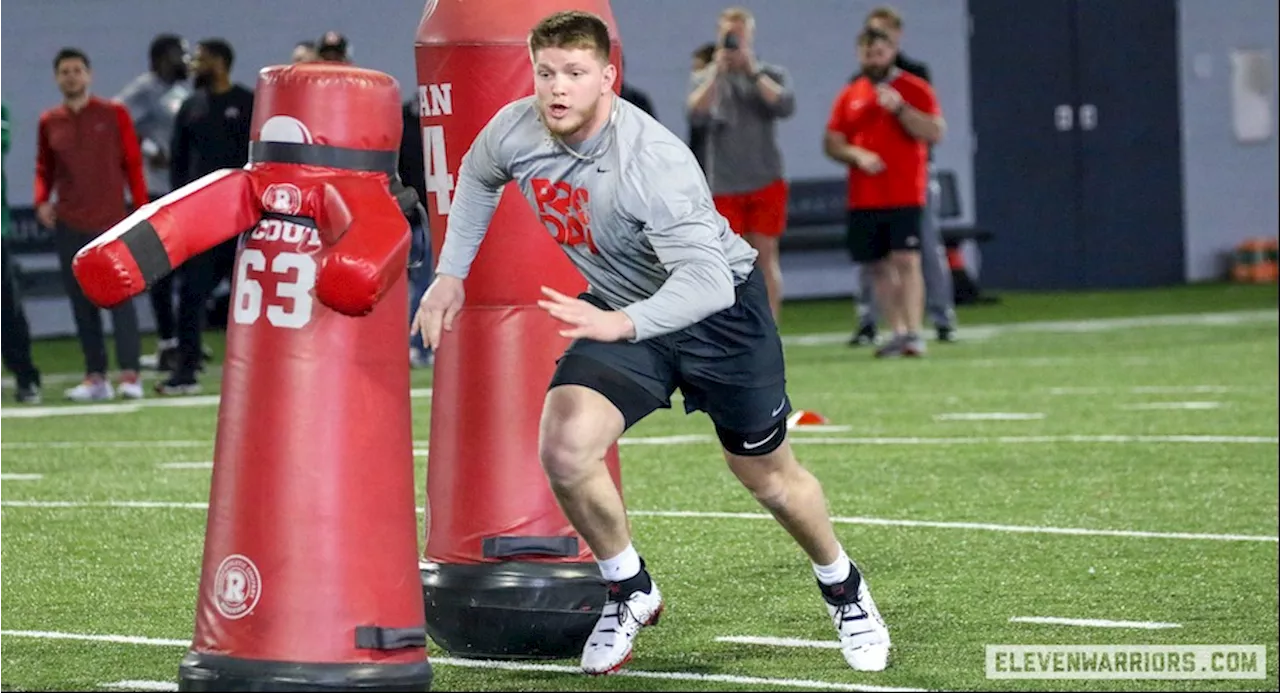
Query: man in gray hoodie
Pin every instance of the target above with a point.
(153, 99)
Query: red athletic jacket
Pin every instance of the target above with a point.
(86, 157)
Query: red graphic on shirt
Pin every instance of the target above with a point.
(562, 208)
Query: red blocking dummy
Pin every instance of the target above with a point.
(310, 576)
(505, 574)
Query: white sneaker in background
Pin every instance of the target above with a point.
(420, 358)
(131, 389)
(91, 390)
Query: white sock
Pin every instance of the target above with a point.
(834, 573)
(624, 565)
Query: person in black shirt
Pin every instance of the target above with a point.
(939, 293)
(633, 95)
(211, 132)
(413, 173)
(212, 128)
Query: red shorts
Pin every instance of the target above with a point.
(762, 211)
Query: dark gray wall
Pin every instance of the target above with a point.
(812, 38)
(1230, 187)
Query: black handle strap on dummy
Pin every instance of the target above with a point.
(506, 547)
(379, 638)
(411, 207)
(324, 155)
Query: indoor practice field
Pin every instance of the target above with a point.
(1078, 469)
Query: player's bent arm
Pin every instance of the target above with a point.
(665, 191)
(699, 283)
(481, 177)
(474, 204)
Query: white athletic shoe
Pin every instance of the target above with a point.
(864, 638)
(131, 389)
(91, 391)
(609, 647)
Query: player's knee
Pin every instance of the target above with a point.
(905, 259)
(567, 452)
(769, 490)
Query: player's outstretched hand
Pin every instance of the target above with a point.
(437, 309)
(585, 321)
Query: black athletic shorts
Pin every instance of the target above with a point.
(729, 365)
(873, 233)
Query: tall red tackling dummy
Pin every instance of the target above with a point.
(310, 577)
(504, 575)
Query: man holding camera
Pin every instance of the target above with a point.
(737, 100)
(881, 126)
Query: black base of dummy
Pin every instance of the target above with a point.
(205, 672)
(512, 610)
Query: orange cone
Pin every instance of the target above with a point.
(801, 417)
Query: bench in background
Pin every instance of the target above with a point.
(816, 219)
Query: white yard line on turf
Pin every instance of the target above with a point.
(15, 412)
(711, 515)
(1173, 406)
(1093, 622)
(979, 332)
(806, 684)
(820, 428)
(186, 465)
(135, 685)
(37, 445)
(117, 639)
(128, 505)
(421, 446)
(975, 440)
(779, 642)
(666, 440)
(1152, 390)
(134, 406)
(981, 526)
(989, 416)
(21, 477)
(1045, 361)
(483, 664)
(971, 332)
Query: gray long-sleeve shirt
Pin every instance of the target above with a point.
(742, 153)
(153, 105)
(632, 211)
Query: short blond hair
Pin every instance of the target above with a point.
(572, 29)
(887, 14)
(738, 14)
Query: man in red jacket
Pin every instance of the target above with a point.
(87, 154)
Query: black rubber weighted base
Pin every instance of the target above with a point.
(205, 672)
(512, 610)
